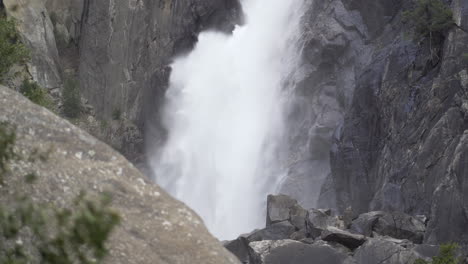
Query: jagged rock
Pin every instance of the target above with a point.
(278, 208)
(383, 251)
(364, 224)
(322, 219)
(276, 231)
(299, 235)
(400, 225)
(333, 234)
(298, 216)
(393, 224)
(241, 249)
(289, 252)
(155, 228)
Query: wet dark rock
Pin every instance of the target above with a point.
(299, 235)
(393, 224)
(289, 252)
(276, 231)
(241, 249)
(351, 241)
(387, 251)
(364, 224)
(401, 226)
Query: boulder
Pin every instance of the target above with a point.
(320, 218)
(277, 231)
(155, 228)
(351, 241)
(364, 224)
(241, 249)
(387, 251)
(298, 216)
(393, 224)
(293, 252)
(278, 207)
(400, 225)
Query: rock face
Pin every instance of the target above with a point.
(335, 51)
(37, 31)
(403, 143)
(155, 228)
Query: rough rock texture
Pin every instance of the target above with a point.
(335, 51)
(288, 252)
(240, 247)
(403, 145)
(275, 231)
(278, 208)
(402, 226)
(347, 239)
(384, 251)
(155, 228)
(394, 224)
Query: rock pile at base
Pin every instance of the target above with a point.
(294, 235)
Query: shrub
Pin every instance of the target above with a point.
(430, 19)
(116, 114)
(7, 142)
(31, 232)
(71, 99)
(447, 255)
(12, 51)
(36, 94)
(75, 235)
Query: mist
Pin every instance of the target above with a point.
(224, 113)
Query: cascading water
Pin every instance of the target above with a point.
(224, 116)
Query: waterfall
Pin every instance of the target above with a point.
(224, 114)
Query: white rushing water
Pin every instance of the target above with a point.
(224, 117)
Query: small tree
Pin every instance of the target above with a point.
(71, 99)
(116, 114)
(430, 19)
(12, 51)
(36, 94)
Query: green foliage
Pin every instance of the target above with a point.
(430, 18)
(43, 233)
(12, 51)
(447, 255)
(75, 235)
(71, 99)
(7, 142)
(116, 114)
(36, 94)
